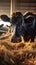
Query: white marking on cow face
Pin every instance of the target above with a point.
(5, 23)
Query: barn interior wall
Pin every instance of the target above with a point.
(5, 7)
(21, 5)
(25, 5)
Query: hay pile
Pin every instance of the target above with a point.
(17, 53)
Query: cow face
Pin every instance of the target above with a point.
(17, 22)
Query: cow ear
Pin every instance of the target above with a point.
(5, 18)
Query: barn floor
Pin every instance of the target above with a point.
(17, 53)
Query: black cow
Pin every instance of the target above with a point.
(29, 28)
(17, 21)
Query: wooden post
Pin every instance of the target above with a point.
(13, 5)
(11, 8)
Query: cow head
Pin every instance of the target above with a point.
(16, 18)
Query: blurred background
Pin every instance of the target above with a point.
(25, 5)
(5, 7)
(9, 6)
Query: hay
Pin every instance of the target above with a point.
(17, 53)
